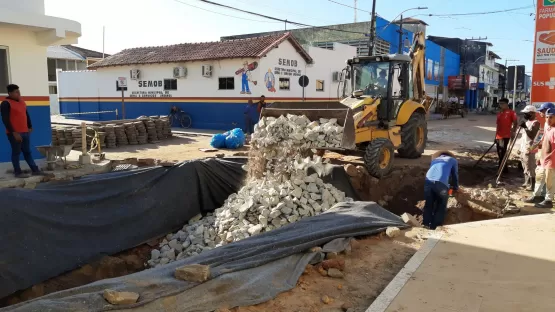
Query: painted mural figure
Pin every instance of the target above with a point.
(245, 73)
(270, 81)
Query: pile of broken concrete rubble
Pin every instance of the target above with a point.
(283, 194)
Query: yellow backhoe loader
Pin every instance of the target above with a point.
(386, 112)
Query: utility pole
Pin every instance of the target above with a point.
(401, 32)
(103, 36)
(355, 11)
(372, 30)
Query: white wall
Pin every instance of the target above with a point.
(102, 83)
(30, 6)
(27, 61)
(54, 104)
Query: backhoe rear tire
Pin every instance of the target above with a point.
(378, 157)
(414, 135)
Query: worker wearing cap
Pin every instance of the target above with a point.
(506, 129)
(543, 122)
(539, 190)
(444, 166)
(531, 128)
(547, 163)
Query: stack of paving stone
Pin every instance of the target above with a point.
(159, 124)
(131, 133)
(121, 138)
(141, 132)
(151, 130)
(68, 134)
(54, 137)
(76, 134)
(166, 127)
(61, 136)
(110, 136)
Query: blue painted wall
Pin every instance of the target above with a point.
(205, 115)
(452, 65)
(40, 117)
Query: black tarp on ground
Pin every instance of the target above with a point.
(247, 272)
(61, 226)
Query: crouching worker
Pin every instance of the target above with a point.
(528, 156)
(436, 188)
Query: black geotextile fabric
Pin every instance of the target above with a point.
(60, 226)
(247, 272)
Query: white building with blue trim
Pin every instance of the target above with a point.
(211, 81)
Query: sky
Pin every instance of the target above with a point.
(139, 23)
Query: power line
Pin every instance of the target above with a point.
(279, 19)
(482, 13)
(194, 6)
(288, 12)
(348, 6)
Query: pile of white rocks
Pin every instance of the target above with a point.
(294, 130)
(283, 195)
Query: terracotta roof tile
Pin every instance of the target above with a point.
(250, 47)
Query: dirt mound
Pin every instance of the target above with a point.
(372, 264)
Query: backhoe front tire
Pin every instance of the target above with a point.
(414, 135)
(378, 157)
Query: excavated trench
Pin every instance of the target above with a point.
(401, 192)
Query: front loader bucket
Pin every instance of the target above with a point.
(316, 110)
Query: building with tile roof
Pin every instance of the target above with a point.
(211, 81)
(242, 48)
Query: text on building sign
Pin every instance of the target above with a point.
(151, 84)
(287, 71)
(151, 94)
(287, 62)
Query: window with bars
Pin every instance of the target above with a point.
(226, 83)
(170, 84)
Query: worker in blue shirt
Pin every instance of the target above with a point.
(251, 116)
(436, 188)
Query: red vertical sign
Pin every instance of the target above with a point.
(543, 71)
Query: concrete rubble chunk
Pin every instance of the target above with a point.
(326, 299)
(335, 273)
(197, 273)
(410, 219)
(155, 254)
(120, 297)
(392, 232)
(346, 306)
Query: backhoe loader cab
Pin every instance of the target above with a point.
(386, 77)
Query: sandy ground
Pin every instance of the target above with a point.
(180, 147)
(461, 135)
(373, 263)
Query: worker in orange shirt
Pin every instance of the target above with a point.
(506, 129)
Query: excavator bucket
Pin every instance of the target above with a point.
(316, 110)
